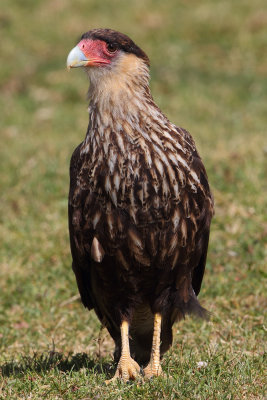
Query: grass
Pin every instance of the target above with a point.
(209, 74)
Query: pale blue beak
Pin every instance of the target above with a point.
(76, 58)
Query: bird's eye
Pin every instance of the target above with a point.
(112, 47)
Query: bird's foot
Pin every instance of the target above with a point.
(152, 370)
(127, 370)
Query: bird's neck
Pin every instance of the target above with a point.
(123, 107)
(120, 104)
(122, 113)
(120, 93)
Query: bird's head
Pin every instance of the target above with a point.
(102, 48)
(108, 56)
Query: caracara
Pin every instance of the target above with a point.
(140, 207)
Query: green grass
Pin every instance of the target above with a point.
(209, 75)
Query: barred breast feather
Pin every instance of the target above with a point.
(141, 189)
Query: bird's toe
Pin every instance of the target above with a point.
(152, 370)
(127, 369)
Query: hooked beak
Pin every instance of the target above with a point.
(76, 58)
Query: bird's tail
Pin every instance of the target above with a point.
(191, 306)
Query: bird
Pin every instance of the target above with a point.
(140, 207)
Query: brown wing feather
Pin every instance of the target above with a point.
(199, 270)
(79, 242)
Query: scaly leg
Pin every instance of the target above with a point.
(154, 368)
(127, 368)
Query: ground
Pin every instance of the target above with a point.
(209, 75)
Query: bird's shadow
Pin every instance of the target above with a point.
(44, 362)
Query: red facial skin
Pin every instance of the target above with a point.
(97, 52)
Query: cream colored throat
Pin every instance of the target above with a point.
(120, 87)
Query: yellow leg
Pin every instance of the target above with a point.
(127, 368)
(154, 368)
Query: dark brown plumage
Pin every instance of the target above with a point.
(140, 206)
